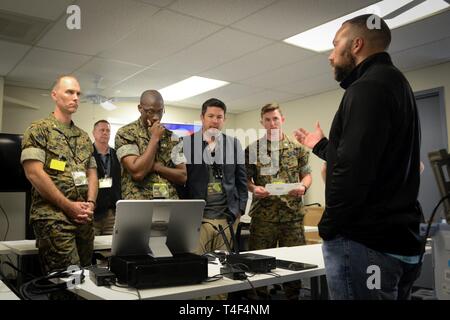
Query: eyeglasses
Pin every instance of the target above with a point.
(151, 111)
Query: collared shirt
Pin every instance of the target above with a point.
(46, 140)
(133, 139)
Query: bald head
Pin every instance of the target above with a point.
(63, 79)
(372, 29)
(150, 97)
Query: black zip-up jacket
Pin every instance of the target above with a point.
(107, 197)
(373, 161)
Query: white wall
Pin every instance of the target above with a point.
(305, 112)
(17, 118)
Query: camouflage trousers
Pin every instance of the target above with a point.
(265, 235)
(62, 244)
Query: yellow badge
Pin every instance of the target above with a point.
(57, 165)
(277, 181)
(160, 190)
(214, 188)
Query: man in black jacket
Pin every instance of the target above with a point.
(371, 223)
(108, 171)
(215, 173)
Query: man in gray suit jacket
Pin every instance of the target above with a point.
(215, 173)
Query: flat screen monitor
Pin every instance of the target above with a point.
(13, 177)
(159, 228)
(440, 163)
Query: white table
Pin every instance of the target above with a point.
(309, 254)
(24, 248)
(28, 247)
(6, 293)
(4, 249)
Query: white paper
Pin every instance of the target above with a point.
(279, 189)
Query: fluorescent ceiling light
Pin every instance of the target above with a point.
(190, 87)
(320, 38)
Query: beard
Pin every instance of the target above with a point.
(343, 71)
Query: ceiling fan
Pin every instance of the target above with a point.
(93, 96)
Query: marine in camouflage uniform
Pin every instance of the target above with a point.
(277, 220)
(168, 163)
(133, 139)
(61, 241)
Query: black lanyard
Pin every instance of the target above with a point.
(106, 164)
(72, 150)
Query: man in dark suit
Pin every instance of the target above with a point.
(216, 174)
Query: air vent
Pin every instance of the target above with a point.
(21, 28)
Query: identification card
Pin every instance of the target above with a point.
(279, 189)
(58, 165)
(214, 188)
(105, 183)
(79, 177)
(160, 190)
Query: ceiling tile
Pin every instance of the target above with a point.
(421, 32)
(10, 55)
(268, 58)
(103, 23)
(304, 69)
(109, 71)
(212, 51)
(422, 56)
(148, 79)
(45, 9)
(158, 3)
(219, 11)
(286, 18)
(43, 66)
(164, 34)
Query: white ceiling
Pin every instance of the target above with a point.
(149, 44)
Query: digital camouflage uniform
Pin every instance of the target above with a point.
(277, 220)
(61, 241)
(133, 139)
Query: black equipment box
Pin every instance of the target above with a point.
(251, 262)
(148, 272)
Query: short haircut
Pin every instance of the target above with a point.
(269, 108)
(213, 102)
(151, 93)
(101, 121)
(377, 37)
(59, 78)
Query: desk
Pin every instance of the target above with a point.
(28, 247)
(6, 293)
(4, 249)
(309, 254)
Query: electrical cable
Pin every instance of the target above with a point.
(430, 221)
(7, 222)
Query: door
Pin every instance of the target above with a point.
(431, 109)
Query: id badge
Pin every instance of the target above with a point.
(79, 177)
(277, 181)
(214, 188)
(160, 190)
(105, 183)
(58, 165)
